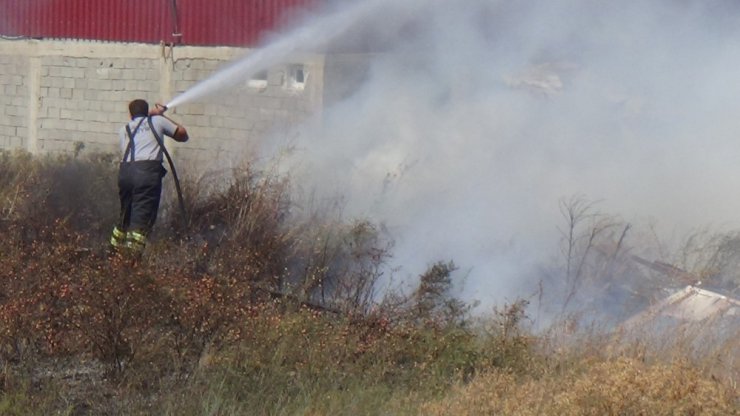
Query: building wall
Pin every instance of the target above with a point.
(14, 82)
(63, 96)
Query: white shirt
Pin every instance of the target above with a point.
(145, 145)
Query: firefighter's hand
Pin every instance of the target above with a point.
(158, 110)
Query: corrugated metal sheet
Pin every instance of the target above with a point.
(233, 22)
(87, 19)
(691, 304)
(201, 22)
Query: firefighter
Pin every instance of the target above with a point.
(140, 172)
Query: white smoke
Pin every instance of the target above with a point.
(310, 35)
(481, 115)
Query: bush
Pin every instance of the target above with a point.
(259, 310)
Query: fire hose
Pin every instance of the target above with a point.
(160, 141)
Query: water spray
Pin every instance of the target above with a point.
(317, 33)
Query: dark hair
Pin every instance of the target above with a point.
(138, 107)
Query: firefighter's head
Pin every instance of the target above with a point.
(138, 108)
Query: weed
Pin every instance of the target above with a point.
(256, 310)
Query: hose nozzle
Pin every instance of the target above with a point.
(161, 107)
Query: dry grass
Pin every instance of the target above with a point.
(256, 311)
(618, 386)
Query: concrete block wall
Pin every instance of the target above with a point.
(225, 127)
(14, 92)
(82, 100)
(60, 96)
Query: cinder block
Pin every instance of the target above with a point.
(51, 112)
(152, 75)
(131, 85)
(109, 106)
(179, 66)
(109, 127)
(203, 121)
(127, 74)
(194, 109)
(182, 86)
(19, 120)
(236, 123)
(216, 122)
(96, 83)
(196, 64)
(190, 75)
(67, 71)
(71, 125)
(48, 125)
(54, 61)
(102, 73)
(99, 116)
(148, 86)
(68, 104)
(80, 113)
(16, 142)
(118, 96)
(106, 85)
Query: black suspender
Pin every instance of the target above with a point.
(159, 139)
(131, 147)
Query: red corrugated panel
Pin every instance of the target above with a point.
(201, 22)
(233, 22)
(86, 19)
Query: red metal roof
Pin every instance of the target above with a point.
(200, 22)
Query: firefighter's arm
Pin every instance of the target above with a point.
(180, 134)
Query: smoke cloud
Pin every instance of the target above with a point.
(480, 116)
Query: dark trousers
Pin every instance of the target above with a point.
(139, 188)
